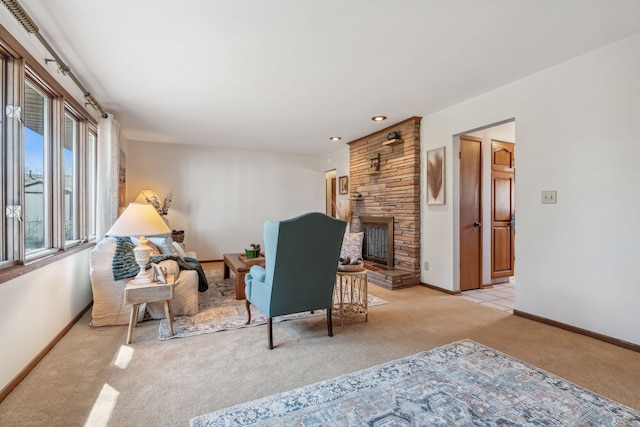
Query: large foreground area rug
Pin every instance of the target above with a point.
(460, 384)
(219, 310)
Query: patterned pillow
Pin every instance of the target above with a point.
(164, 244)
(352, 245)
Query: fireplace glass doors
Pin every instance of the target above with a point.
(378, 239)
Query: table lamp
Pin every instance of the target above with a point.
(145, 195)
(140, 219)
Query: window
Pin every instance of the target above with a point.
(70, 190)
(36, 209)
(48, 159)
(92, 173)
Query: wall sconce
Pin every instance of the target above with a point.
(374, 164)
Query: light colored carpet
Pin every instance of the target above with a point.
(92, 378)
(219, 310)
(460, 384)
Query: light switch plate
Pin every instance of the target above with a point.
(550, 196)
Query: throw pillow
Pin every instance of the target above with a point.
(177, 248)
(352, 245)
(164, 244)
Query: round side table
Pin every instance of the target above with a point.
(350, 295)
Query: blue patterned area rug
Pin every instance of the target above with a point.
(460, 384)
(219, 310)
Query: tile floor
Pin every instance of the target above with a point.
(502, 296)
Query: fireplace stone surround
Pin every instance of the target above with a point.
(389, 190)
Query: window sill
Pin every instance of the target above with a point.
(15, 271)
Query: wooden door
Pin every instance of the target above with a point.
(333, 197)
(502, 209)
(470, 213)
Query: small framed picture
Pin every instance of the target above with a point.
(158, 274)
(343, 185)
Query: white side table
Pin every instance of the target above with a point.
(350, 295)
(140, 294)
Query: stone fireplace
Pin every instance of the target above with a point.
(384, 189)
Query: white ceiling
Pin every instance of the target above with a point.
(285, 75)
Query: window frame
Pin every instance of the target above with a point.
(17, 66)
(50, 241)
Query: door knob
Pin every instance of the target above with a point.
(477, 224)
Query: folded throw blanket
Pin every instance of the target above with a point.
(124, 263)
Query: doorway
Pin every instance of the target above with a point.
(330, 192)
(496, 223)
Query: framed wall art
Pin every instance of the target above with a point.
(435, 176)
(343, 185)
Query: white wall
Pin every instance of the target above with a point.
(222, 197)
(35, 307)
(576, 132)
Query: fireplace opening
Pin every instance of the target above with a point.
(377, 245)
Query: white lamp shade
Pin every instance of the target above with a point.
(145, 194)
(139, 219)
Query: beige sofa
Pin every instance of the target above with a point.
(108, 294)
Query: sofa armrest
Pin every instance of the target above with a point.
(172, 267)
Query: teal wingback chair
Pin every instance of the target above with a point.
(301, 259)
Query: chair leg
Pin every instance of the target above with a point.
(248, 312)
(329, 323)
(270, 331)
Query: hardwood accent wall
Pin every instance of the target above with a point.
(394, 190)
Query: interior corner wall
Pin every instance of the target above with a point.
(576, 133)
(222, 197)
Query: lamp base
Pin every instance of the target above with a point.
(142, 252)
(142, 279)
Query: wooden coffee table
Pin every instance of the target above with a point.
(240, 265)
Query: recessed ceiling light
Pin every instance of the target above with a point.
(335, 138)
(378, 118)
